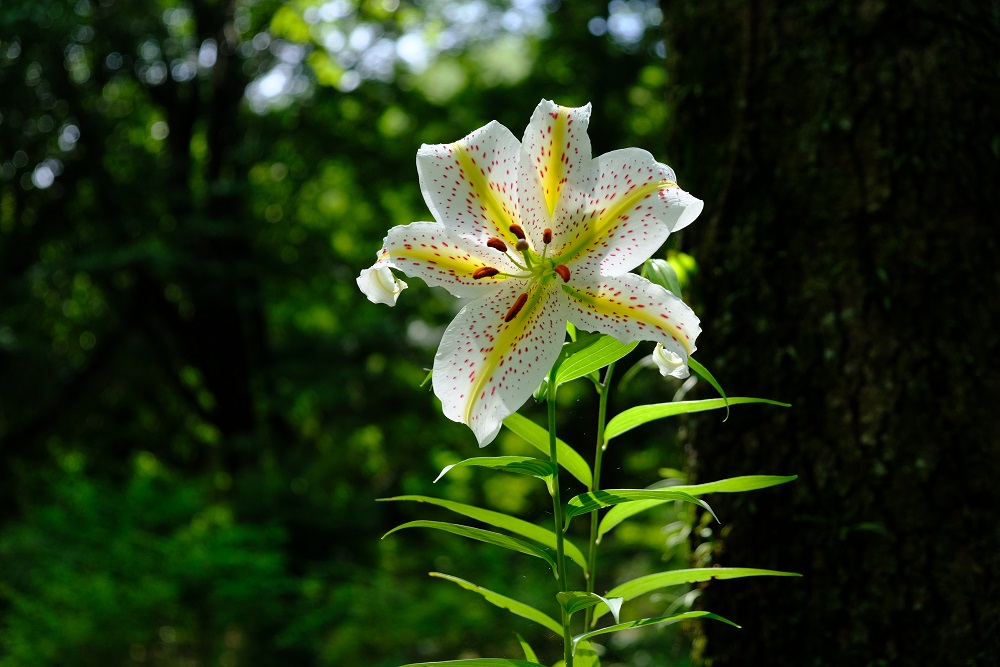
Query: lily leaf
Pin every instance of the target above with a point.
(591, 354)
(621, 512)
(595, 500)
(487, 536)
(505, 522)
(651, 582)
(660, 271)
(643, 622)
(706, 375)
(642, 414)
(574, 601)
(478, 662)
(524, 465)
(529, 653)
(504, 602)
(538, 437)
(585, 655)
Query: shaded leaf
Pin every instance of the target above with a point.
(706, 375)
(651, 582)
(504, 521)
(574, 601)
(732, 485)
(595, 500)
(538, 437)
(478, 662)
(523, 465)
(643, 622)
(504, 602)
(487, 536)
(642, 414)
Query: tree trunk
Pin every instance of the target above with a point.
(848, 156)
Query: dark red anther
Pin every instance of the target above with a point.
(563, 272)
(516, 308)
(547, 236)
(485, 272)
(497, 244)
(517, 231)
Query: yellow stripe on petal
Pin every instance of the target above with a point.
(487, 367)
(492, 203)
(604, 221)
(552, 170)
(631, 308)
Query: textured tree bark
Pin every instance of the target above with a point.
(848, 156)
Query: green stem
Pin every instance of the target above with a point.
(602, 414)
(557, 510)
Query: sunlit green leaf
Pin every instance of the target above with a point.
(574, 601)
(538, 437)
(641, 623)
(504, 602)
(651, 582)
(595, 500)
(487, 536)
(591, 354)
(623, 511)
(529, 653)
(504, 521)
(642, 414)
(524, 465)
(585, 655)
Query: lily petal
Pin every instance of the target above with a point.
(380, 286)
(635, 205)
(425, 250)
(669, 363)
(556, 166)
(486, 367)
(471, 185)
(631, 308)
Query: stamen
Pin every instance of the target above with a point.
(497, 244)
(485, 272)
(516, 308)
(563, 272)
(547, 236)
(517, 231)
(521, 245)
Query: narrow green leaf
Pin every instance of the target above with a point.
(505, 522)
(574, 601)
(595, 500)
(592, 355)
(487, 536)
(523, 465)
(639, 415)
(651, 582)
(623, 511)
(504, 602)
(529, 653)
(478, 662)
(538, 437)
(706, 375)
(643, 622)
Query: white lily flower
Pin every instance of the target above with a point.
(670, 363)
(536, 233)
(379, 285)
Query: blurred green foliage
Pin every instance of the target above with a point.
(198, 408)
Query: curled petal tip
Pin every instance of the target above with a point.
(380, 286)
(670, 363)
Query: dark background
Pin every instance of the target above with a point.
(198, 408)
